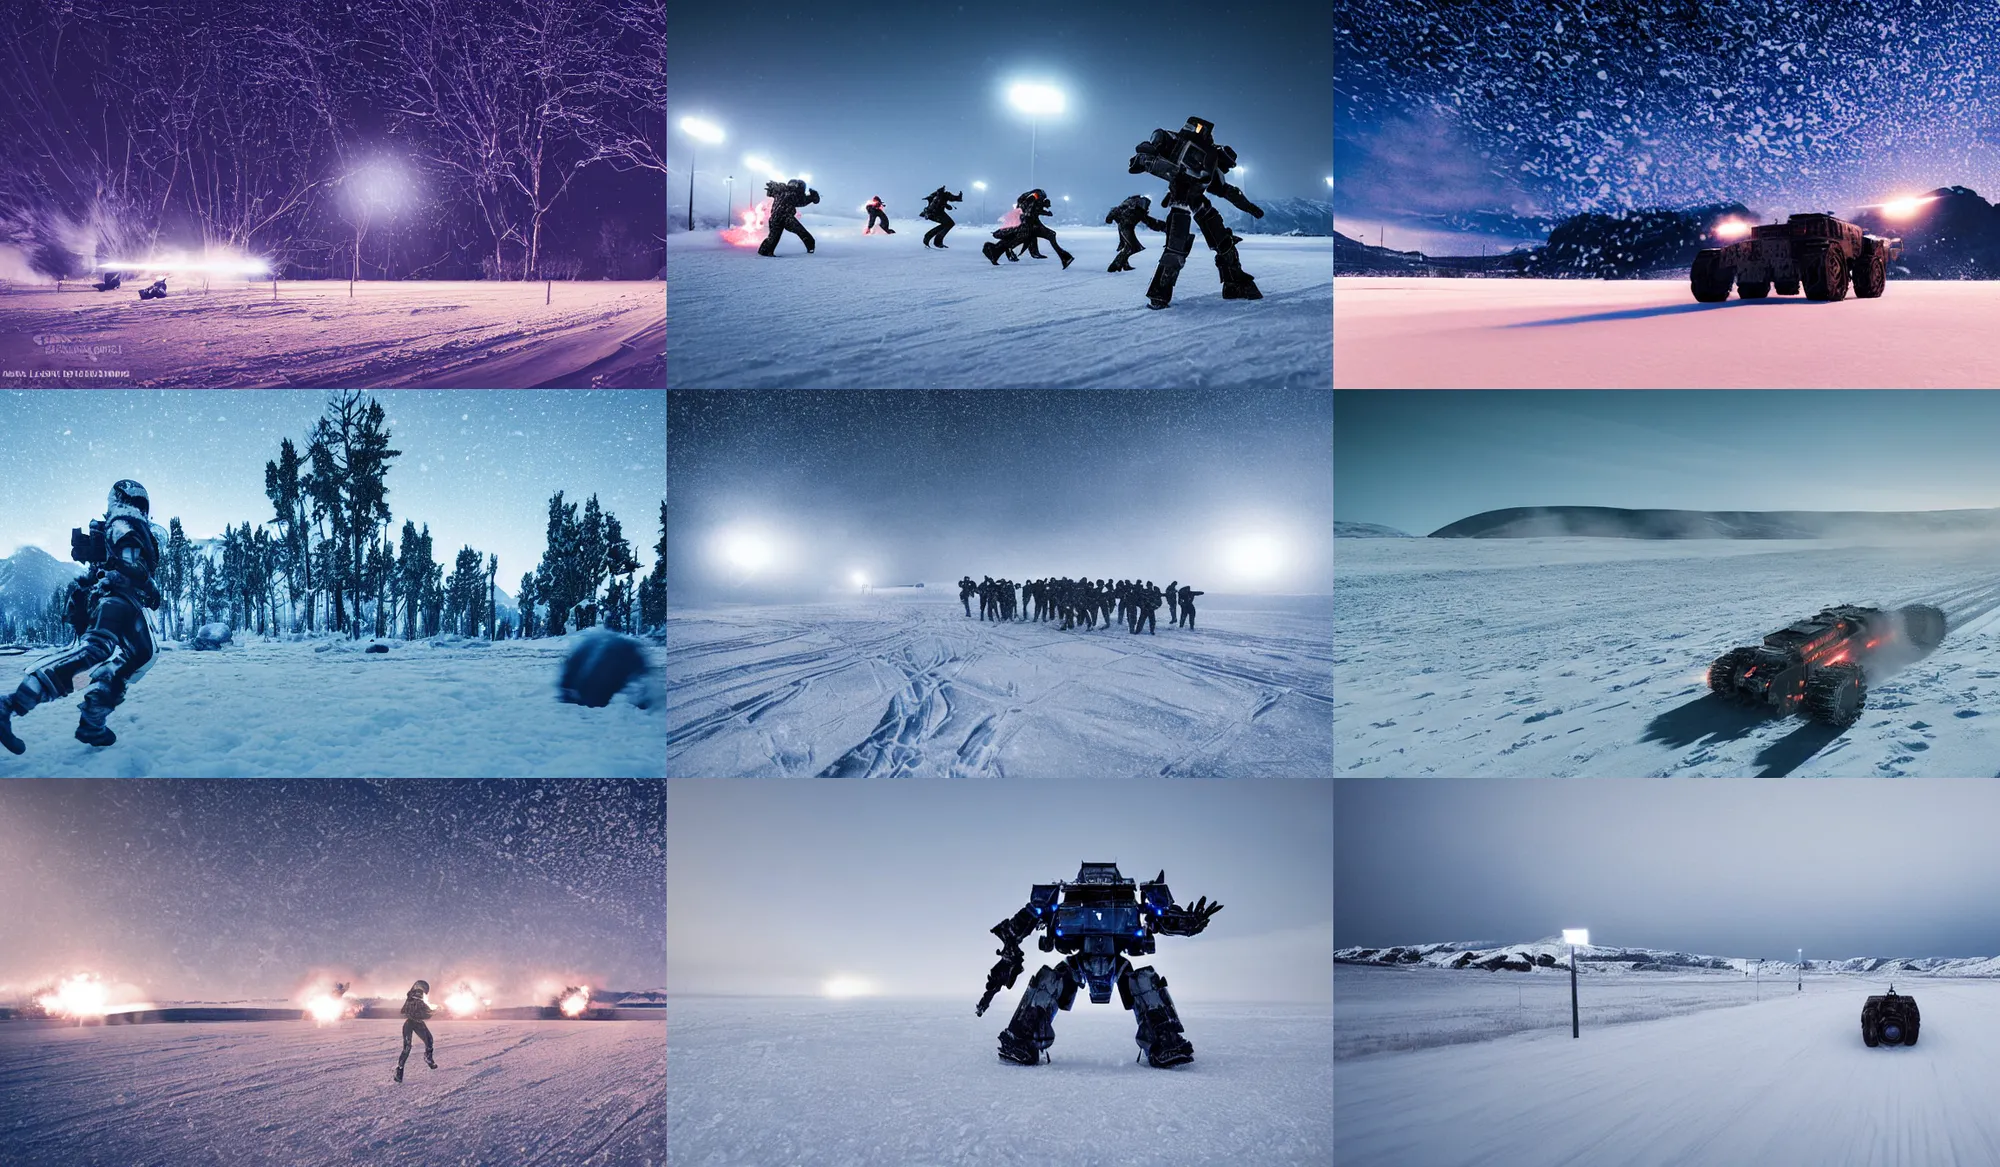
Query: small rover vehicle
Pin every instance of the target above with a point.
(1889, 1019)
(1818, 252)
(1817, 664)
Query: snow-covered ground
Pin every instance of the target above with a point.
(918, 689)
(885, 312)
(868, 1082)
(1589, 657)
(1411, 332)
(1782, 1077)
(448, 708)
(402, 334)
(523, 1093)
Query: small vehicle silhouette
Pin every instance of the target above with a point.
(1820, 253)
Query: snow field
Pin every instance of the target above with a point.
(523, 1093)
(1781, 1080)
(871, 1082)
(280, 709)
(884, 312)
(1589, 658)
(919, 689)
(1414, 332)
(392, 334)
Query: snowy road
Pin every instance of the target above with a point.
(524, 1093)
(1781, 1080)
(400, 334)
(265, 709)
(1588, 658)
(1408, 332)
(920, 690)
(869, 1082)
(887, 313)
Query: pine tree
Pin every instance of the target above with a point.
(281, 486)
(618, 561)
(559, 580)
(590, 551)
(526, 599)
(174, 571)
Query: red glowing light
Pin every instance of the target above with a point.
(756, 221)
(1012, 218)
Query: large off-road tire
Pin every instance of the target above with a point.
(1910, 1034)
(1835, 695)
(1868, 1034)
(1722, 673)
(1788, 287)
(1753, 291)
(1823, 270)
(1871, 271)
(1709, 279)
(1924, 625)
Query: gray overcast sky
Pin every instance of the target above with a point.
(931, 485)
(477, 465)
(1724, 867)
(776, 887)
(1419, 459)
(225, 889)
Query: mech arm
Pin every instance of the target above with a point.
(1220, 187)
(1172, 919)
(1007, 969)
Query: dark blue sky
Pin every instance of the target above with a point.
(909, 486)
(1419, 459)
(1723, 866)
(1446, 108)
(216, 890)
(778, 887)
(477, 465)
(894, 98)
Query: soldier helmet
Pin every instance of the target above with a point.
(421, 987)
(129, 499)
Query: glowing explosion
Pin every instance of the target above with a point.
(79, 997)
(1732, 229)
(464, 1001)
(575, 1001)
(756, 220)
(326, 1006)
(1904, 208)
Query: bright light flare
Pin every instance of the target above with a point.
(706, 131)
(1036, 99)
(767, 168)
(978, 185)
(1329, 180)
(575, 1003)
(462, 1003)
(246, 266)
(1577, 936)
(746, 550)
(843, 987)
(78, 997)
(1904, 208)
(1257, 556)
(860, 580)
(756, 222)
(1731, 229)
(326, 1009)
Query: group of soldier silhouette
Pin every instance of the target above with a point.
(1081, 603)
(1190, 161)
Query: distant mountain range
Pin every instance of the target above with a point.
(1282, 216)
(1551, 952)
(29, 576)
(1620, 523)
(1345, 530)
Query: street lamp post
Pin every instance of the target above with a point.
(732, 198)
(1035, 100)
(981, 188)
(1802, 970)
(1574, 937)
(701, 131)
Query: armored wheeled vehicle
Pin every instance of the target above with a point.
(1822, 254)
(1889, 1019)
(1820, 664)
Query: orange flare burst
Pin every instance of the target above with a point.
(574, 1004)
(756, 221)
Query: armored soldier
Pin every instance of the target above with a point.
(786, 199)
(1128, 215)
(1187, 606)
(877, 211)
(1193, 166)
(966, 590)
(1033, 205)
(937, 208)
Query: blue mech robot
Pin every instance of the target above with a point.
(1096, 922)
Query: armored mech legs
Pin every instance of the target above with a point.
(1237, 284)
(1028, 1036)
(778, 228)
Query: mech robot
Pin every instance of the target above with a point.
(1095, 922)
(1193, 165)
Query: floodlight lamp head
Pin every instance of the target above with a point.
(1576, 936)
(706, 131)
(1034, 99)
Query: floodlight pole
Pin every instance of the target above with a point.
(1802, 970)
(693, 152)
(1575, 1027)
(732, 200)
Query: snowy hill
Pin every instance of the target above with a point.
(1344, 530)
(1551, 952)
(1282, 216)
(1620, 523)
(27, 578)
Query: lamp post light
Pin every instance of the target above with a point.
(1574, 937)
(732, 198)
(981, 188)
(1802, 970)
(1035, 100)
(700, 131)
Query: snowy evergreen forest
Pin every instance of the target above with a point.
(324, 560)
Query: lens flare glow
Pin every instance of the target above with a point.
(462, 1003)
(1731, 229)
(1905, 207)
(1033, 98)
(843, 986)
(860, 580)
(1256, 557)
(706, 131)
(244, 266)
(746, 550)
(78, 997)
(326, 1009)
(574, 1004)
